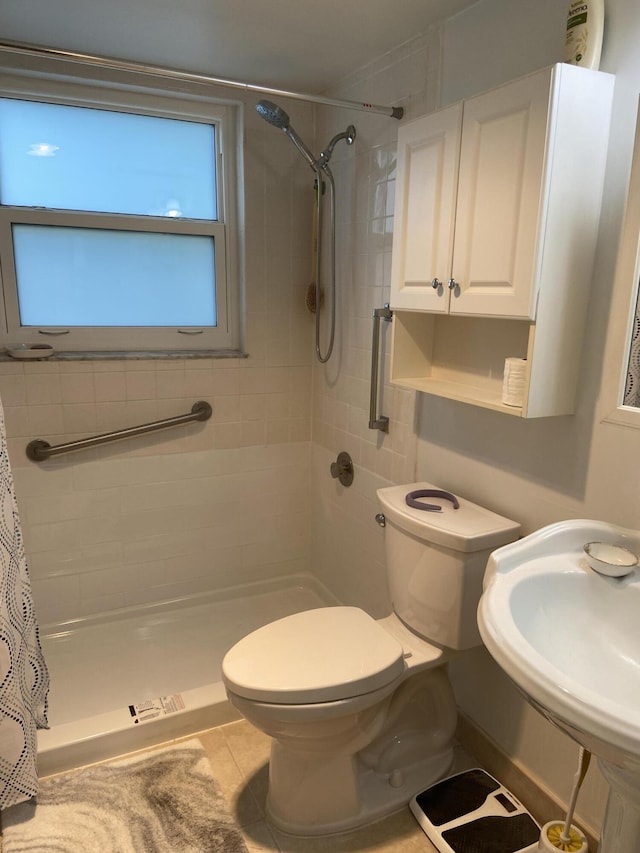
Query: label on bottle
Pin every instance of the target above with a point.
(576, 20)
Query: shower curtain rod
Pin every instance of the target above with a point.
(191, 77)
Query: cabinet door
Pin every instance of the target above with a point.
(500, 198)
(428, 151)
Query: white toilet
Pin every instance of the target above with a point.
(361, 711)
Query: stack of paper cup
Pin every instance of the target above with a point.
(515, 370)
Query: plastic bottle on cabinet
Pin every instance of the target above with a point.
(585, 28)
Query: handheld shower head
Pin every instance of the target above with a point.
(276, 116)
(272, 113)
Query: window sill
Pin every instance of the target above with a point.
(160, 355)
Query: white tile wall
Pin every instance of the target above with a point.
(118, 525)
(200, 506)
(138, 520)
(347, 545)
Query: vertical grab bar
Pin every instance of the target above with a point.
(377, 422)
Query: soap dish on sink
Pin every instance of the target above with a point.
(615, 561)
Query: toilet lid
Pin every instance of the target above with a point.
(315, 656)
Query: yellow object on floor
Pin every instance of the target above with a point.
(576, 841)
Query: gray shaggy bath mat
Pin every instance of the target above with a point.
(165, 801)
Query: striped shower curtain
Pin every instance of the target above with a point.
(632, 388)
(24, 680)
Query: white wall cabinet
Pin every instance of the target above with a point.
(497, 211)
(425, 209)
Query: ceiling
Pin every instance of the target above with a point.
(293, 44)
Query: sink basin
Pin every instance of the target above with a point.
(569, 638)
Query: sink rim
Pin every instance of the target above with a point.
(569, 701)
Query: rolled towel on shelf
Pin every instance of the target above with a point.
(513, 383)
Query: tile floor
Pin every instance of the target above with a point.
(239, 755)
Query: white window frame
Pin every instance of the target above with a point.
(226, 336)
(612, 409)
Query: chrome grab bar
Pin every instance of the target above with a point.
(380, 422)
(39, 450)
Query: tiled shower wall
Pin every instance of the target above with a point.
(231, 501)
(348, 546)
(198, 507)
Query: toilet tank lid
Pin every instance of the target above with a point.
(469, 528)
(318, 655)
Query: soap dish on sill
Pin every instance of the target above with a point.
(24, 351)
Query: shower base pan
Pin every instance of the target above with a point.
(140, 676)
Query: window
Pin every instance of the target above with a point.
(118, 221)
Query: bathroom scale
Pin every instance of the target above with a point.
(472, 812)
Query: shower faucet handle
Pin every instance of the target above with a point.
(342, 469)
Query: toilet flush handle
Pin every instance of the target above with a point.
(381, 521)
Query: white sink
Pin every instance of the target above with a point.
(570, 639)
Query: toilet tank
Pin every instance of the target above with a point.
(436, 562)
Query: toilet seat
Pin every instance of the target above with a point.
(315, 656)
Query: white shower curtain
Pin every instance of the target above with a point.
(24, 680)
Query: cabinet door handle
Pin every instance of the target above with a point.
(452, 283)
(436, 283)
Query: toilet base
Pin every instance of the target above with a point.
(360, 767)
(377, 796)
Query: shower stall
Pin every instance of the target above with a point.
(148, 560)
(150, 669)
(150, 557)
(142, 675)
